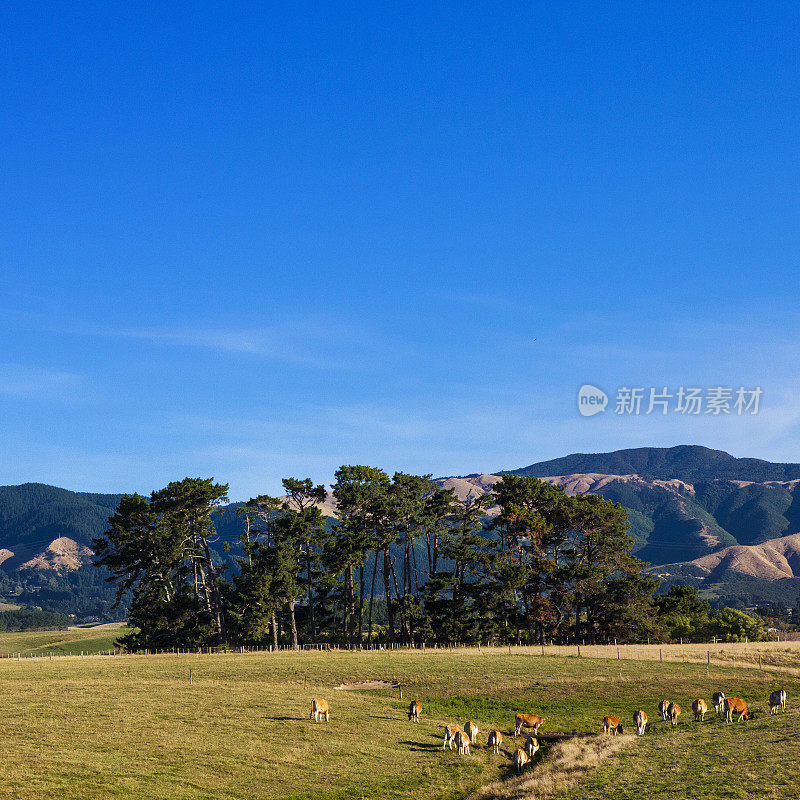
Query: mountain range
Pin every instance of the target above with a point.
(697, 515)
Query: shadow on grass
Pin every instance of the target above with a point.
(422, 747)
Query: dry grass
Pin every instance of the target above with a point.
(69, 642)
(567, 763)
(236, 726)
(774, 656)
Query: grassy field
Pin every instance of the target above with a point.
(784, 656)
(236, 726)
(70, 642)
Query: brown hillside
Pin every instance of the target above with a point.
(773, 559)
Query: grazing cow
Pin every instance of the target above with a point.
(462, 743)
(520, 760)
(414, 710)
(471, 729)
(495, 740)
(640, 721)
(611, 725)
(450, 732)
(663, 707)
(735, 706)
(718, 699)
(527, 721)
(319, 709)
(699, 709)
(531, 746)
(673, 712)
(777, 700)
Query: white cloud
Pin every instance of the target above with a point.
(37, 383)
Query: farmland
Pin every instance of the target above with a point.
(236, 726)
(70, 642)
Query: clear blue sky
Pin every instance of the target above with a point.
(267, 240)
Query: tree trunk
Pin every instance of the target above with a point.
(360, 604)
(311, 618)
(215, 600)
(350, 605)
(416, 572)
(372, 598)
(274, 624)
(293, 625)
(388, 590)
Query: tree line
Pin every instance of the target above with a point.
(404, 561)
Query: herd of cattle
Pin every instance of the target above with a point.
(731, 706)
(463, 738)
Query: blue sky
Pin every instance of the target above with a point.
(264, 241)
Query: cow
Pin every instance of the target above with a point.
(462, 743)
(319, 709)
(450, 732)
(531, 746)
(611, 725)
(699, 709)
(735, 706)
(718, 699)
(777, 700)
(527, 721)
(673, 712)
(414, 710)
(471, 729)
(495, 740)
(663, 707)
(520, 760)
(640, 721)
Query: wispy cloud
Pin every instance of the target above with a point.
(259, 342)
(36, 383)
(293, 339)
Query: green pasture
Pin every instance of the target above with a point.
(234, 726)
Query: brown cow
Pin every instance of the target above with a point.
(718, 698)
(471, 729)
(462, 743)
(699, 709)
(414, 710)
(735, 706)
(673, 712)
(663, 707)
(531, 746)
(495, 740)
(450, 732)
(527, 721)
(520, 760)
(777, 700)
(611, 725)
(319, 709)
(640, 721)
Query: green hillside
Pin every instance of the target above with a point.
(686, 462)
(670, 522)
(34, 514)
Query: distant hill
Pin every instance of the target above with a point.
(686, 462)
(771, 560)
(35, 516)
(685, 504)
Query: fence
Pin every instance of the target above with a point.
(762, 655)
